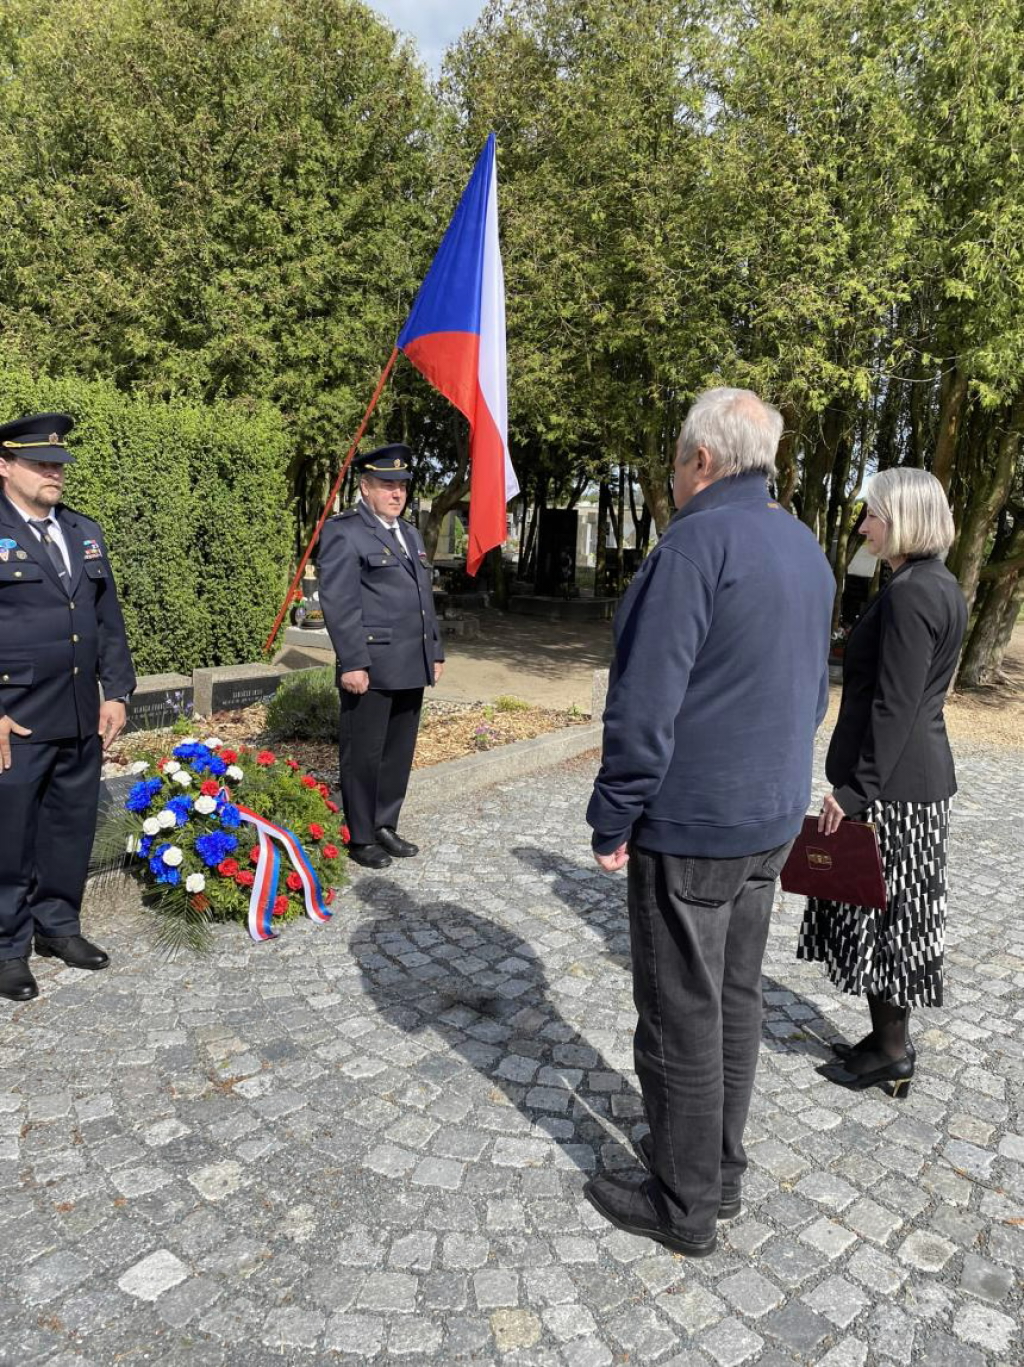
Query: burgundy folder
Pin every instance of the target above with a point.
(844, 867)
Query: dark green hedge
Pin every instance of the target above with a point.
(193, 501)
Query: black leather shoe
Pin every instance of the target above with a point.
(370, 856)
(394, 844)
(730, 1203)
(847, 1051)
(895, 1075)
(75, 950)
(16, 981)
(631, 1208)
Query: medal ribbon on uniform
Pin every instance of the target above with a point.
(264, 888)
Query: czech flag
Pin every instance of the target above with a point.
(455, 336)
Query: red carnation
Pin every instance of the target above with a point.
(227, 868)
(323, 790)
(292, 763)
(293, 882)
(308, 781)
(315, 830)
(345, 833)
(229, 756)
(200, 901)
(329, 851)
(329, 896)
(266, 757)
(161, 764)
(254, 854)
(210, 788)
(332, 807)
(244, 878)
(280, 906)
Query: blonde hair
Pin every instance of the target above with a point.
(914, 507)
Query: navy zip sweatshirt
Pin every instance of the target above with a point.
(719, 681)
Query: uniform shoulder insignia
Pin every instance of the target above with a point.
(349, 512)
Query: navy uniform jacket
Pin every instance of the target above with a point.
(56, 648)
(378, 604)
(890, 739)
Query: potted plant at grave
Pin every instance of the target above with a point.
(312, 618)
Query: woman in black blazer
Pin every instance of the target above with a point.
(889, 763)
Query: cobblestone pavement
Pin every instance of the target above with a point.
(367, 1142)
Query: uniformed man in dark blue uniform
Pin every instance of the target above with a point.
(378, 606)
(61, 636)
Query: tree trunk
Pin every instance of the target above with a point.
(987, 502)
(953, 398)
(604, 505)
(620, 530)
(788, 472)
(531, 536)
(819, 466)
(655, 492)
(453, 492)
(992, 631)
(496, 567)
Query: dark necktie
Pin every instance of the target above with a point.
(398, 542)
(42, 530)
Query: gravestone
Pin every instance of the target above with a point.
(232, 687)
(159, 701)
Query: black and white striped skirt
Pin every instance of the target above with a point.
(895, 954)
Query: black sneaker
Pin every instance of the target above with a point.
(631, 1208)
(730, 1203)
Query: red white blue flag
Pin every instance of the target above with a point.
(455, 337)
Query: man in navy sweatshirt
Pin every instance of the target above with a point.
(719, 682)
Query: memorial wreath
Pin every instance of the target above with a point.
(210, 828)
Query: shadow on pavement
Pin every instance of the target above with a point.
(792, 1024)
(437, 966)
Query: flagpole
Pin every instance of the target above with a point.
(331, 497)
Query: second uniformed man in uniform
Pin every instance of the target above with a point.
(61, 636)
(378, 605)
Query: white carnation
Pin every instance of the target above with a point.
(151, 826)
(214, 743)
(164, 820)
(139, 767)
(205, 805)
(172, 856)
(234, 773)
(195, 882)
(130, 845)
(171, 767)
(183, 777)
(187, 740)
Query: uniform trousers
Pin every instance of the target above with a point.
(698, 929)
(377, 741)
(48, 803)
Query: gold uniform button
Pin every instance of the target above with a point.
(75, 670)
(369, 638)
(17, 574)
(74, 638)
(71, 606)
(6, 677)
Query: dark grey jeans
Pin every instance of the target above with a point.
(698, 929)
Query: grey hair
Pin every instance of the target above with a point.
(740, 430)
(914, 507)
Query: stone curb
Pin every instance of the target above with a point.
(441, 785)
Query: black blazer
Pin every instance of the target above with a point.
(57, 647)
(378, 604)
(890, 739)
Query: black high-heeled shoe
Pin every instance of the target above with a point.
(897, 1073)
(843, 1050)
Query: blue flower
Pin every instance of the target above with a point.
(230, 816)
(142, 794)
(181, 807)
(144, 846)
(201, 758)
(214, 848)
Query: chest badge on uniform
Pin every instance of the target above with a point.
(91, 550)
(6, 546)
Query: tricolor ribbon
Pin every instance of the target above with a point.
(264, 888)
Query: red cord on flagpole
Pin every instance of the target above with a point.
(331, 497)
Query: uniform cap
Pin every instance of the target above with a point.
(37, 436)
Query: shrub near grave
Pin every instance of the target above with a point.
(220, 834)
(305, 707)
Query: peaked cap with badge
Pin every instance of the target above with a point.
(39, 436)
(385, 462)
(62, 637)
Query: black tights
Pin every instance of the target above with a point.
(888, 1027)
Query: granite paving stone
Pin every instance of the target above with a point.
(367, 1141)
